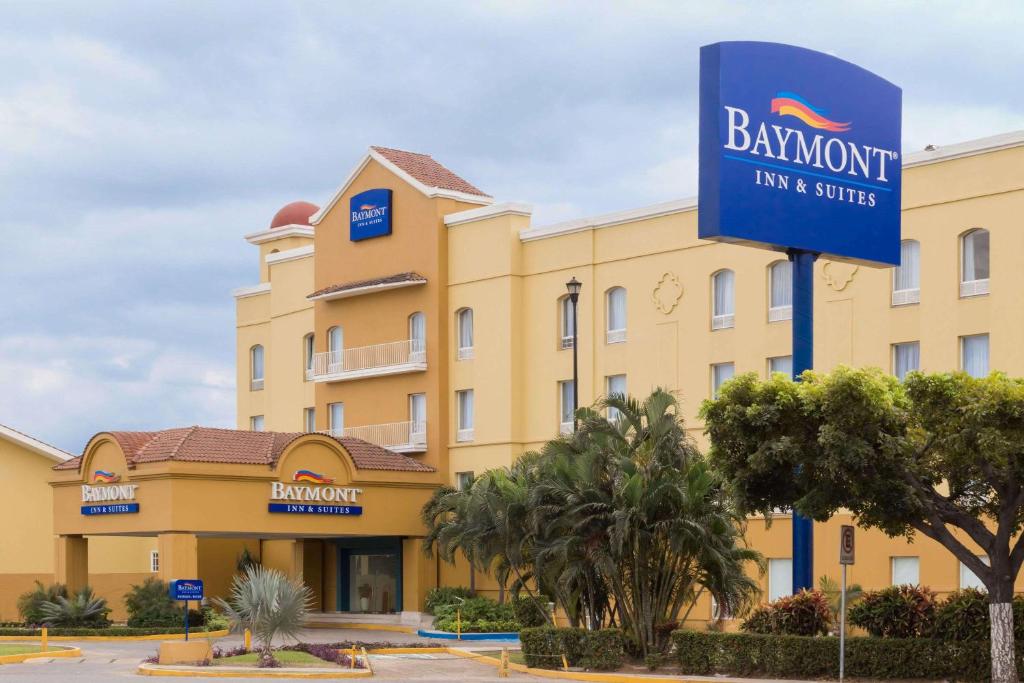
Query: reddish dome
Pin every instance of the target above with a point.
(296, 213)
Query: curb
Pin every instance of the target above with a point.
(155, 636)
(572, 675)
(359, 627)
(248, 672)
(17, 659)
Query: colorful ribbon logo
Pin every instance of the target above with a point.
(312, 477)
(791, 104)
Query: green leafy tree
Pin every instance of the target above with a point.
(939, 454)
(267, 603)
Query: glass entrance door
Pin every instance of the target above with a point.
(373, 583)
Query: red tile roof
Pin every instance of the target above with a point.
(232, 446)
(411, 278)
(423, 168)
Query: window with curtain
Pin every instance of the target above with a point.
(256, 423)
(780, 296)
(464, 399)
(780, 578)
(974, 355)
(969, 579)
(336, 348)
(568, 325)
(256, 368)
(974, 269)
(463, 480)
(566, 407)
(614, 384)
(336, 412)
(906, 357)
(309, 350)
(906, 571)
(417, 334)
(720, 374)
(783, 364)
(418, 415)
(906, 277)
(615, 331)
(309, 419)
(465, 320)
(723, 300)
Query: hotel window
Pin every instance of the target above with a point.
(974, 252)
(417, 337)
(906, 571)
(715, 615)
(256, 423)
(336, 350)
(464, 429)
(336, 424)
(614, 385)
(309, 352)
(780, 295)
(783, 364)
(463, 480)
(720, 374)
(464, 320)
(615, 315)
(906, 357)
(780, 578)
(418, 418)
(906, 277)
(309, 419)
(154, 561)
(723, 300)
(568, 326)
(969, 579)
(256, 368)
(974, 355)
(566, 409)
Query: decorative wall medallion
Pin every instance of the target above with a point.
(667, 293)
(838, 275)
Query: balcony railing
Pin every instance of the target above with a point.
(902, 297)
(722, 322)
(465, 353)
(974, 287)
(615, 336)
(779, 313)
(391, 358)
(256, 384)
(400, 437)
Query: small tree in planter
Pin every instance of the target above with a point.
(269, 604)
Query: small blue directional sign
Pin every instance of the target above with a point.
(186, 589)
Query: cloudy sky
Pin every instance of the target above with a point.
(140, 141)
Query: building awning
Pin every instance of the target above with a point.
(360, 287)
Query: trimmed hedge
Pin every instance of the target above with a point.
(602, 650)
(750, 654)
(107, 631)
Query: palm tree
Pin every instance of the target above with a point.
(267, 603)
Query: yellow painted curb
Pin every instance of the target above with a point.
(405, 651)
(245, 672)
(396, 628)
(157, 636)
(571, 675)
(63, 652)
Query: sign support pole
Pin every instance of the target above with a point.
(186, 620)
(803, 359)
(842, 628)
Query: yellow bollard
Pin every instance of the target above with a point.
(44, 639)
(554, 618)
(367, 658)
(565, 663)
(247, 640)
(458, 624)
(503, 671)
(352, 657)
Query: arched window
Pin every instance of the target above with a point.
(615, 315)
(780, 294)
(464, 319)
(906, 277)
(417, 337)
(723, 303)
(335, 350)
(568, 322)
(309, 352)
(256, 368)
(974, 250)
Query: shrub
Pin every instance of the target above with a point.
(750, 654)
(602, 650)
(149, 605)
(804, 614)
(445, 595)
(83, 609)
(269, 604)
(530, 611)
(29, 603)
(326, 652)
(478, 615)
(896, 612)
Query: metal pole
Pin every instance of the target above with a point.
(803, 359)
(842, 627)
(575, 365)
(186, 620)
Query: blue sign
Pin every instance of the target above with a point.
(186, 589)
(316, 509)
(110, 509)
(798, 150)
(369, 215)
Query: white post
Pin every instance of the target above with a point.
(842, 627)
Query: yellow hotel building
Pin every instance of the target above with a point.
(393, 364)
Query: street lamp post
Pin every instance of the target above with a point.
(574, 287)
